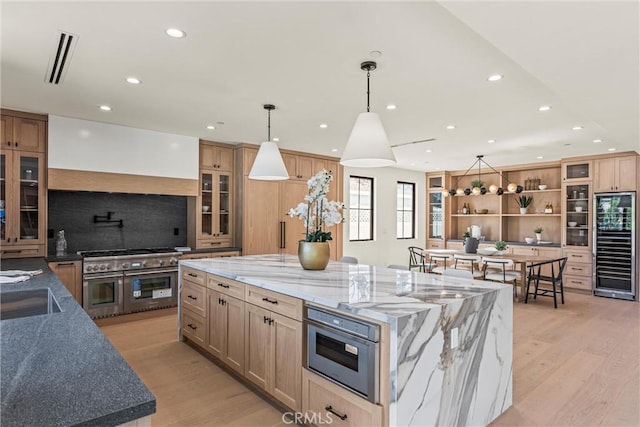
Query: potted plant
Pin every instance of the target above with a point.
(317, 213)
(523, 203)
(501, 247)
(538, 231)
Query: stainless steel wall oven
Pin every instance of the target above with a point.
(343, 349)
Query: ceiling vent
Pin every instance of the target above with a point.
(63, 47)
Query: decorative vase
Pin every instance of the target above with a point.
(523, 211)
(539, 236)
(470, 245)
(313, 255)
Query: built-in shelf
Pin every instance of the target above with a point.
(529, 215)
(547, 190)
(465, 215)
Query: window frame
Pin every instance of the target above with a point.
(413, 209)
(358, 209)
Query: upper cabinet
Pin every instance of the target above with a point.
(22, 185)
(615, 174)
(577, 171)
(216, 157)
(299, 167)
(25, 134)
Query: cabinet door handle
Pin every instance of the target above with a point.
(16, 143)
(271, 321)
(223, 285)
(270, 301)
(8, 143)
(14, 251)
(192, 275)
(265, 318)
(15, 239)
(192, 327)
(282, 239)
(192, 297)
(337, 414)
(65, 263)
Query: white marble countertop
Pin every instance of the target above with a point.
(379, 293)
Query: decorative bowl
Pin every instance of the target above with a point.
(529, 240)
(206, 208)
(572, 223)
(486, 251)
(542, 187)
(481, 211)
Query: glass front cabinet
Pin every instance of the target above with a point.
(22, 204)
(214, 210)
(436, 211)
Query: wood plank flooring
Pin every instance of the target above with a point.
(578, 365)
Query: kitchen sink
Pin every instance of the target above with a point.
(33, 302)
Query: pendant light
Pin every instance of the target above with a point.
(368, 145)
(478, 185)
(268, 165)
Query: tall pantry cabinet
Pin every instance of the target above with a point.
(265, 227)
(22, 184)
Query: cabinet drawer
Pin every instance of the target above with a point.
(203, 244)
(578, 269)
(225, 286)
(583, 257)
(328, 401)
(23, 251)
(195, 276)
(194, 327)
(577, 282)
(194, 298)
(274, 301)
(435, 244)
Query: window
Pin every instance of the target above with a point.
(405, 210)
(360, 208)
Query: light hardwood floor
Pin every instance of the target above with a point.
(574, 366)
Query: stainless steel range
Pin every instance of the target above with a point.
(129, 280)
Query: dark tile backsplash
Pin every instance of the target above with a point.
(149, 220)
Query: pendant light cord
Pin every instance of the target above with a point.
(269, 125)
(368, 75)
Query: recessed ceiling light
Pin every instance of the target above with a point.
(611, 149)
(323, 125)
(105, 108)
(491, 141)
(437, 169)
(495, 77)
(451, 127)
(597, 141)
(577, 127)
(412, 164)
(133, 80)
(566, 144)
(375, 54)
(392, 107)
(539, 157)
(334, 150)
(175, 33)
(211, 127)
(428, 150)
(544, 108)
(276, 139)
(219, 123)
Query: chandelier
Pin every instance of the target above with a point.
(477, 186)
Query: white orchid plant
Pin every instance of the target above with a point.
(316, 211)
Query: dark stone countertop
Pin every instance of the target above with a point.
(64, 258)
(59, 369)
(212, 250)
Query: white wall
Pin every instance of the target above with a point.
(100, 147)
(386, 249)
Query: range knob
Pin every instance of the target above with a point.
(125, 265)
(173, 261)
(144, 263)
(161, 262)
(89, 268)
(109, 266)
(103, 267)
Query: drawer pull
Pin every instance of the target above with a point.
(192, 297)
(330, 409)
(270, 301)
(65, 263)
(192, 275)
(223, 285)
(192, 327)
(577, 256)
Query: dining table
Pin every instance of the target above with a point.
(522, 261)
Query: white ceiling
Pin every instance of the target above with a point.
(579, 57)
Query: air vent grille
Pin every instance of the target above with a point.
(63, 47)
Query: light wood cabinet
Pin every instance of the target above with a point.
(194, 327)
(70, 274)
(335, 405)
(226, 319)
(578, 170)
(203, 255)
(615, 174)
(193, 304)
(577, 196)
(299, 167)
(194, 298)
(578, 271)
(266, 227)
(23, 133)
(216, 157)
(214, 210)
(273, 354)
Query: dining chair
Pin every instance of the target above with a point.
(440, 261)
(555, 280)
(416, 258)
(469, 262)
(500, 270)
(349, 259)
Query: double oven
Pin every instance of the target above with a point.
(127, 281)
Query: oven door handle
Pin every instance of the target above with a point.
(340, 332)
(103, 276)
(146, 273)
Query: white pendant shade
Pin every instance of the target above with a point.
(268, 165)
(368, 145)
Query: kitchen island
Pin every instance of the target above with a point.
(58, 369)
(449, 346)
